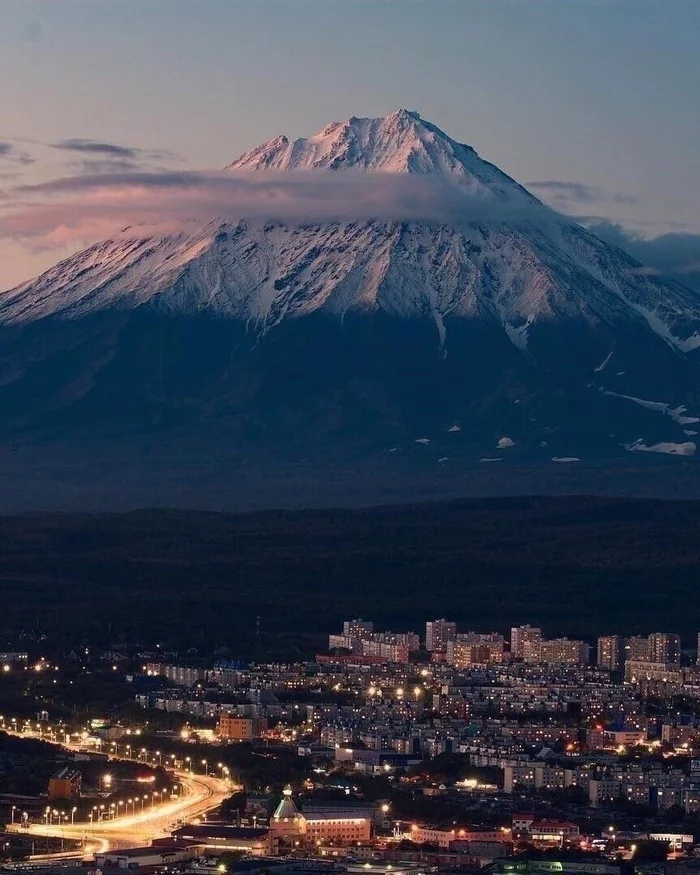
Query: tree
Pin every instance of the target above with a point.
(649, 851)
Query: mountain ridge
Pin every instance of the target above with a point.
(514, 336)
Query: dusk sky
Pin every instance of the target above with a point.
(596, 98)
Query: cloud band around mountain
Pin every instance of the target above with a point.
(86, 206)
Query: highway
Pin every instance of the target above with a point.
(200, 794)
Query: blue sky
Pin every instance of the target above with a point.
(599, 93)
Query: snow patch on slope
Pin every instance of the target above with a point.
(605, 361)
(518, 333)
(677, 414)
(666, 447)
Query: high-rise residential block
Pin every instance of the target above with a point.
(611, 652)
(437, 635)
(525, 642)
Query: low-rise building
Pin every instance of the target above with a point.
(65, 784)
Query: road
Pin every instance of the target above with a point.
(200, 794)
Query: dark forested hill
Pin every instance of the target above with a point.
(576, 565)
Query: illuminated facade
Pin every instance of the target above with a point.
(611, 652)
(65, 784)
(315, 825)
(525, 643)
(235, 728)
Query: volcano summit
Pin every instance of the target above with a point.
(389, 297)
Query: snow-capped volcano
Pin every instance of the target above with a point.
(401, 142)
(498, 329)
(516, 274)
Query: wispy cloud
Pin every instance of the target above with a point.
(95, 147)
(97, 156)
(9, 152)
(675, 255)
(82, 208)
(86, 206)
(564, 193)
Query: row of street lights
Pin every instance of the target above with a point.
(100, 812)
(128, 751)
(61, 816)
(143, 755)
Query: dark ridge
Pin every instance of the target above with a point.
(577, 565)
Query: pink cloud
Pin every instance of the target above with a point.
(86, 208)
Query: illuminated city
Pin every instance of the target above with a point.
(349, 437)
(391, 750)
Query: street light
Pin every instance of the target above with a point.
(14, 808)
(206, 767)
(72, 815)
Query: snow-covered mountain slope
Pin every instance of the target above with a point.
(365, 331)
(400, 142)
(264, 273)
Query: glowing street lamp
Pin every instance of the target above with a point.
(206, 767)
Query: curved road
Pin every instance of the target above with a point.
(202, 793)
